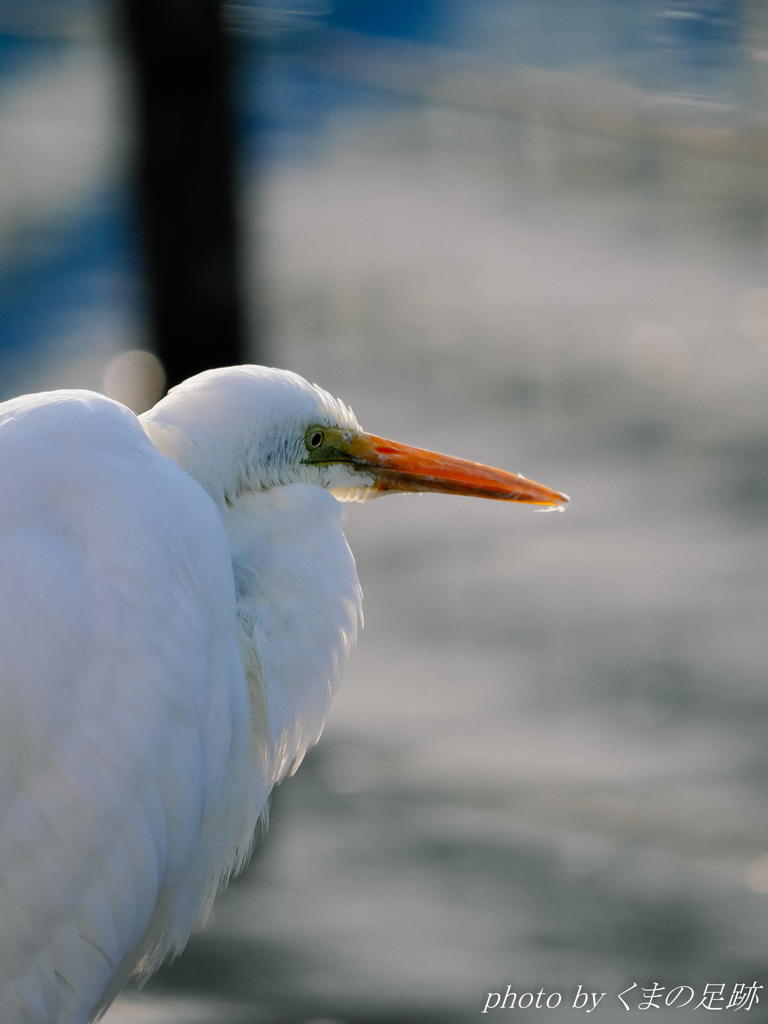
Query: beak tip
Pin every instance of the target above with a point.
(551, 501)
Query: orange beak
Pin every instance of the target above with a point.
(398, 467)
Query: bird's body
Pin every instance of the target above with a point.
(177, 600)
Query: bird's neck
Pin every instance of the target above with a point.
(298, 606)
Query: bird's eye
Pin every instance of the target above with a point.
(315, 438)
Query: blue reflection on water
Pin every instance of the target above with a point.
(283, 111)
(60, 270)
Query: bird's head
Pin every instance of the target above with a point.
(252, 428)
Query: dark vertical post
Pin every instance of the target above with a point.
(186, 181)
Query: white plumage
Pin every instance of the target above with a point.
(177, 600)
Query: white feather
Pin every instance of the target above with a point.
(174, 618)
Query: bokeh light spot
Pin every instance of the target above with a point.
(135, 378)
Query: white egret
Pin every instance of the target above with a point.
(176, 603)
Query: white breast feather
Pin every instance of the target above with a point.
(298, 606)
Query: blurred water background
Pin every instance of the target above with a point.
(531, 234)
